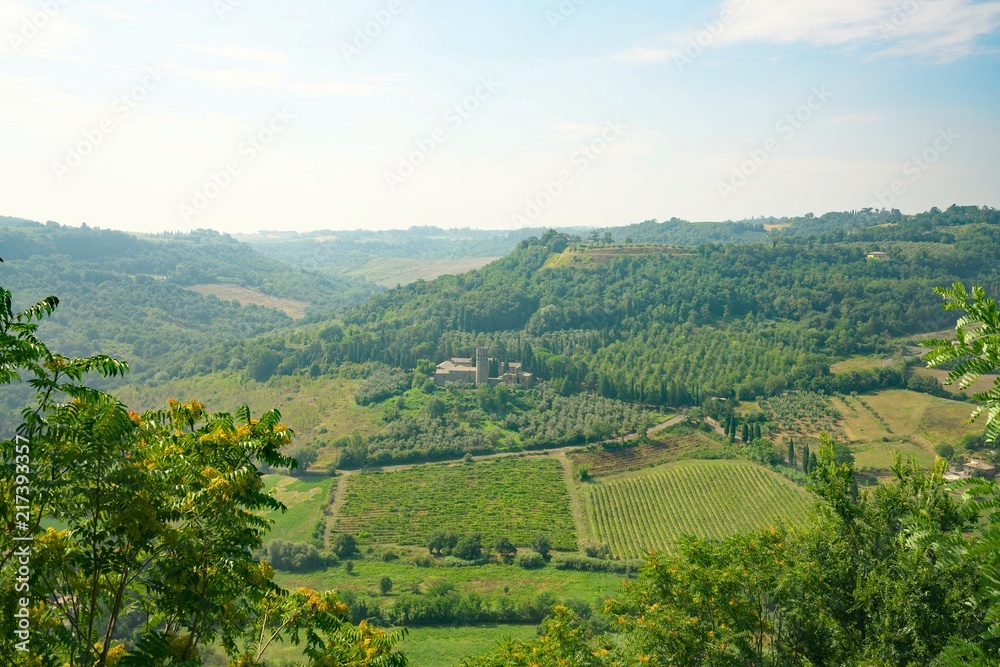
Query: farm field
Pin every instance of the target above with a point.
(305, 499)
(662, 448)
(318, 410)
(899, 420)
(445, 647)
(649, 511)
(389, 272)
(927, 419)
(514, 497)
(433, 646)
(246, 296)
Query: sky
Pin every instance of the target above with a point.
(246, 115)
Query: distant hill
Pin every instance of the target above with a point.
(136, 296)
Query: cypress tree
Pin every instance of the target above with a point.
(746, 433)
(813, 463)
(791, 452)
(805, 459)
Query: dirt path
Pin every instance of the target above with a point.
(715, 425)
(576, 500)
(339, 498)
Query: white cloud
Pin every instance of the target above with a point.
(943, 30)
(33, 32)
(238, 52)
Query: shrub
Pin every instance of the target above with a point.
(294, 556)
(586, 564)
(505, 549)
(945, 451)
(343, 546)
(592, 550)
(423, 560)
(541, 545)
(530, 560)
(469, 547)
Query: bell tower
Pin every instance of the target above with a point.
(482, 365)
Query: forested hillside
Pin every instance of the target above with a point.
(130, 296)
(671, 326)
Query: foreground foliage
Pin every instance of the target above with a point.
(143, 528)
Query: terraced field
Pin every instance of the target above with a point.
(513, 497)
(650, 511)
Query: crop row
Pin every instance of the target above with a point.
(709, 499)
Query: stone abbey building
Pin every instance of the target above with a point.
(462, 371)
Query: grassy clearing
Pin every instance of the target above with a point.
(649, 511)
(392, 271)
(305, 499)
(246, 296)
(856, 364)
(487, 580)
(859, 424)
(662, 448)
(985, 383)
(318, 410)
(878, 455)
(516, 497)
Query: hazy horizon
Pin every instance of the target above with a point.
(239, 116)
